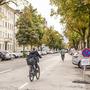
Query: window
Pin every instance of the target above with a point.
(3, 46)
(0, 33)
(8, 35)
(0, 9)
(6, 24)
(8, 47)
(0, 23)
(3, 34)
(10, 26)
(0, 45)
(3, 23)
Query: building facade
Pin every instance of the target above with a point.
(7, 28)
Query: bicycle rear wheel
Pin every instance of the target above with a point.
(38, 72)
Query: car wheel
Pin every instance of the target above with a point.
(0, 59)
(79, 65)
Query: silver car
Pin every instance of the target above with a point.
(76, 59)
(5, 55)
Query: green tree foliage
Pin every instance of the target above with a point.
(76, 16)
(30, 26)
(52, 38)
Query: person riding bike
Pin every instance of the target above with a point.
(62, 54)
(34, 56)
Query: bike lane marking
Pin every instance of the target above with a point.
(5, 71)
(22, 86)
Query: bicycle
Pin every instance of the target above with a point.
(34, 72)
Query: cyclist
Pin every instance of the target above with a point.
(62, 54)
(34, 56)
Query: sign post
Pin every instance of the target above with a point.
(85, 61)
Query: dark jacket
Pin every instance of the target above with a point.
(35, 55)
(33, 58)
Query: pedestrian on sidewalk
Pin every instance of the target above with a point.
(62, 52)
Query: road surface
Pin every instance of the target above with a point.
(55, 75)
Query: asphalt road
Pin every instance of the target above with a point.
(55, 75)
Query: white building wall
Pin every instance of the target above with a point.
(6, 28)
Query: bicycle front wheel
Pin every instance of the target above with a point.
(37, 72)
(31, 75)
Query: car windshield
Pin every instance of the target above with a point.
(3, 52)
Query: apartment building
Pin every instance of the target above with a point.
(7, 28)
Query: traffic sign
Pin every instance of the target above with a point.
(86, 52)
(85, 61)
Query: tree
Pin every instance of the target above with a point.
(30, 23)
(75, 14)
(52, 38)
(74, 38)
(2, 2)
(25, 25)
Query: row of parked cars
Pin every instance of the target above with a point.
(5, 55)
(44, 52)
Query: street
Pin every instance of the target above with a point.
(55, 75)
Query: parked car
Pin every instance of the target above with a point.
(50, 52)
(71, 51)
(17, 54)
(12, 55)
(1, 55)
(4, 55)
(76, 59)
(43, 52)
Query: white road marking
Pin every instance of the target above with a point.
(23, 86)
(8, 70)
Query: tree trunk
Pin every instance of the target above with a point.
(83, 37)
(87, 42)
(31, 46)
(24, 54)
(23, 48)
(89, 30)
(88, 37)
